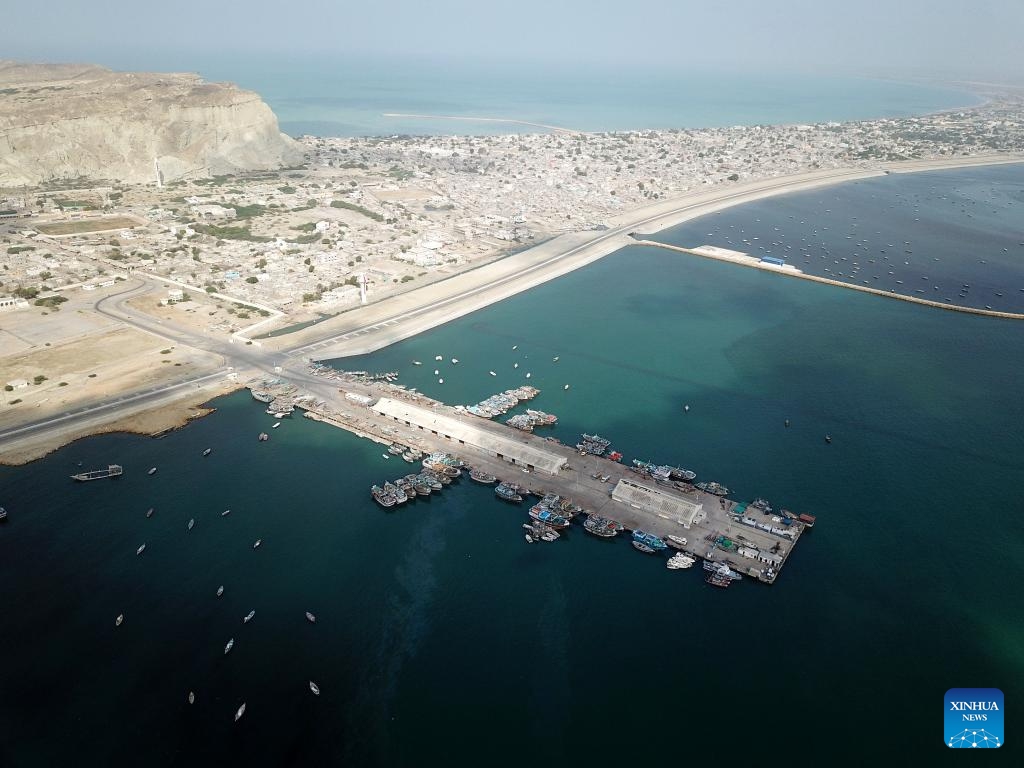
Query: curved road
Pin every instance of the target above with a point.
(428, 306)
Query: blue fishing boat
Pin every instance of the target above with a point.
(650, 540)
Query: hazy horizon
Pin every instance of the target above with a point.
(937, 40)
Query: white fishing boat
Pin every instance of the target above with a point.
(149, 512)
(191, 523)
(191, 697)
(257, 544)
(152, 471)
(140, 550)
(492, 373)
(311, 617)
(118, 621)
(680, 560)
(314, 688)
(248, 617)
(225, 513)
(455, 361)
(220, 590)
(229, 646)
(240, 712)
(208, 451)
(276, 425)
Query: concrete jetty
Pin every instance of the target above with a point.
(746, 260)
(715, 528)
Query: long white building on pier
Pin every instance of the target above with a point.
(669, 506)
(474, 432)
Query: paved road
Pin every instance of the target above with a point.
(398, 317)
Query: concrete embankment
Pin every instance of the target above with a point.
(754, 263)
(367, 329)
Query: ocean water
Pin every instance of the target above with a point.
(956, 237)
(442, 638)
(340, 96)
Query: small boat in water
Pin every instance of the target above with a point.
(149, 512)
(191, 697)
(310, 617)
(208, 451)
(508, 492)
(191, 523)
(314, 688)
(257, 544)
(240, 712)
(229, 646)
(152, 471)
(112, 470)
(677, 542)
(480, 476)
(248, 617)
(649, 540)
(119, 620)
(140, 550)
(717, 580)
(640, 546)
(220, 590)
(276, 425)
(601, 526)
(680, 560)
(225, 513)
(712, 487)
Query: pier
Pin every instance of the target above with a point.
(715, 528)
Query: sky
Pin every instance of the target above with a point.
(948, 39)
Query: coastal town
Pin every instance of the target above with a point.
(366, 218)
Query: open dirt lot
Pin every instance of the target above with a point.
(92, 368)
(80, 226)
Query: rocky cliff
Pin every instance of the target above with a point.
(60, 122)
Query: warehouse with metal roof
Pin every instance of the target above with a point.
(518, 450)
(659, 502)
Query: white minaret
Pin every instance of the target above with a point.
(362, 288)
(156, 168)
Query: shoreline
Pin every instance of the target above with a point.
(379, 325)
(152, 421)
(753, 262)
(405, 315)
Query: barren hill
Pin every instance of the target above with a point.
(67, 121)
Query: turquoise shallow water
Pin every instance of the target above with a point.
(443, 638)
(343, 96)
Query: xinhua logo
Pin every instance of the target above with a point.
(973, 718)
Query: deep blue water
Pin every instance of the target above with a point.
(442, 638)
